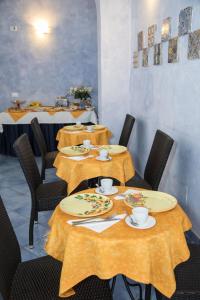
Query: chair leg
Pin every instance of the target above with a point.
(36, 217)
(43, 173)
(113, 284)
(148, 292)
(159, 296)
(31, 226)
(127, 284)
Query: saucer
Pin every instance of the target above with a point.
(151, 221)
(105, 159)
(113, 191)
(91, 131)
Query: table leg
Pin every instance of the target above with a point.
(128, 284)
(113, 284)
(148, 292)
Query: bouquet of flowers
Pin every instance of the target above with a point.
(80, 92)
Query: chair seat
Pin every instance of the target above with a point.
(38, 279)
(137, 181)
(188, 273)
(49, 194)
(49, 159)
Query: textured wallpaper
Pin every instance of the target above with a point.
(167, 97)
(41, 68)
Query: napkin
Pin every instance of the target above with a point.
(122, 196)
(78, 157)
(99, 227)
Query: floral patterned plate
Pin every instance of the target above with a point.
(86, 205)
(74, 150)
(153, 200)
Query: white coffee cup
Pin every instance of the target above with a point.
(90, 128)
(86, 143)
(103, 154)
(140, 215)
(78, 122)
(106, 184)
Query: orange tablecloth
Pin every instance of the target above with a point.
(147, 256)
(16, 115)
(68, 138)
(74, 172)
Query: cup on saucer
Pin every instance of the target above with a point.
(106, 185)
(90, 128)
(86, 143)
(140, 215)
(103, 154)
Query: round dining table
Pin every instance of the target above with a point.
(70, 138)
(74, 172)
(148, 256)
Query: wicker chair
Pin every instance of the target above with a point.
(156, 163)
(187, 278)
(47, 157)
(45, 196)
(126, 130)
(37, 279)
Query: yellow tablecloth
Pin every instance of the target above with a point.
(74, 172)
(147, 256)
(68, 138)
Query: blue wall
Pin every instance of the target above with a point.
(168, 97)
(41, 69)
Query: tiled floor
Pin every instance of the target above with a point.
(16, 197)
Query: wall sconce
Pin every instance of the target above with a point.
(42, 27)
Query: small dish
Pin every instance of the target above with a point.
(151, 221)
(113, 191)
(106, 159)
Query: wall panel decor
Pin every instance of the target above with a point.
(158, 54)
(166, 29)
(140, 40)
(145, 54)
(185, 20)
(173, 50)
(135, 59)
(151, 35)
(194, 45)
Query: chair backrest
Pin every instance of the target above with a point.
(39, 137)
(27, 161)
(160, 150)
(126, 130)
(10, 255)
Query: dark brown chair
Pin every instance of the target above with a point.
(45, 196)
(126, 130)
(187, 278)
(156, 163)
(37, 279)
(47, 157)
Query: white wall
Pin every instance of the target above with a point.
(114, 52)
(168, 97)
